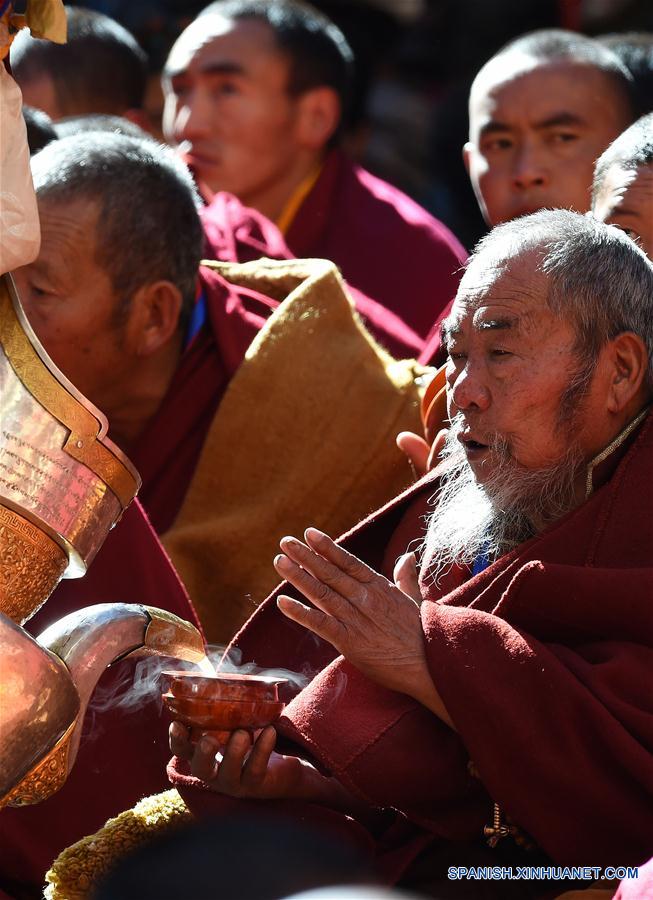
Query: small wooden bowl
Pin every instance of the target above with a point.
(222, 686)
(218, 705)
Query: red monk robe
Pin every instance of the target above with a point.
(544, 664)
(122, 753)
(433, 353)
(167, 452)
(234, 232)
(385, 244)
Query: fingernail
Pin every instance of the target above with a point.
(176, 729)
(283, 564)
(206, 745)
(314, 534)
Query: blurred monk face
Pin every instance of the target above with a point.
(626, 200)
(227, 107)
(510, 370)
(71, 304)
(39, 92)
(536, 130)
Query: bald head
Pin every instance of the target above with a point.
(541, 111)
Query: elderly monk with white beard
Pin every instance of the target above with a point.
(502, 697)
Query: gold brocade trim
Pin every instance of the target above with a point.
(47, 776)
(31, 565)
(285, 220)
(87, 430)
(609, 450)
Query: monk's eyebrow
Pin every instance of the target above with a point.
(560, 119)
(226, 67)
(503, 323)
(493, 127)
(556, 120)
(448, 332)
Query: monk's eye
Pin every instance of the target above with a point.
(497, 144)
(499, 352)
(563, 137)
(225, 87)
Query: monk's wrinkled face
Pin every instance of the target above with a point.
(510, 366)
(70, 302)
(536, 130)
(227, 107)
(626, 200)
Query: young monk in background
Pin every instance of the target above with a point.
(540, 113)
(256, 100)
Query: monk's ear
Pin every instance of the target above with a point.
(628, 368)
(319, 114)
(154, 316)
(468, 149)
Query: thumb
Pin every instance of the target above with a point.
(436, 449)
(406, 578)
(416, 449)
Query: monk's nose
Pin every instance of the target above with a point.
(193, 120)
(468, 392)
(528, 168)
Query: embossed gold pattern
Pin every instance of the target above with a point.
(31, 565)
(46, 778)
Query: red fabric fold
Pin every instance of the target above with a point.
(167, 452)
(238, 234)
(386, 245)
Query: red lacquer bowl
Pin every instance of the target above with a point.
(220, 704)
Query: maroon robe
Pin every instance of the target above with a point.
(544, 664)
(385, 244)
(167, 452)
(236, 233)
(239, 234)
(434, 352)
(122, 754)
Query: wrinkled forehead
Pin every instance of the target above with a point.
(503, 280)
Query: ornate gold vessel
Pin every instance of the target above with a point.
(63, 483)
(47, 682)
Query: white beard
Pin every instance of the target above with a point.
(470, 519)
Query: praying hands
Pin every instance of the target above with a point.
(372, 622)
